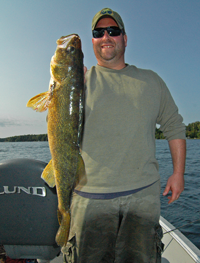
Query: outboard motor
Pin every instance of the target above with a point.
(28, 211)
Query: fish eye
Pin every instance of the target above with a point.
(70, 49)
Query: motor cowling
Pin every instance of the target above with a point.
(28, 214)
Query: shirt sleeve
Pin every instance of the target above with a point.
(171, 122)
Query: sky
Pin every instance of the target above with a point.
(163, 35)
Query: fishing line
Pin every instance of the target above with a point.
(181, 226)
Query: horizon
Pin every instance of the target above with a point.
(47, 133)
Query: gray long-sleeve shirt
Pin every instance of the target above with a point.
(122, 109)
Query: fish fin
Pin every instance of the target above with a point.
(80, 173)
(59, 215)
(48, 174)
(63, 231)
(40, 102)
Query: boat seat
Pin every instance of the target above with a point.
(28, 213)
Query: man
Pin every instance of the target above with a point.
(115, 208)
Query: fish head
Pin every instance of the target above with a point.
(68, 47)
(68, 55)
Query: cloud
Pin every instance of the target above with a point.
(6, 123)
(15, 122)
(15, 126)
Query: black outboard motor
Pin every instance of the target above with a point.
(28, 211)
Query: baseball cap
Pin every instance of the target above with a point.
(108, 12)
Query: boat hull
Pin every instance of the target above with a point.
(177, 247)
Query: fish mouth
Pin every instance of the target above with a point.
(64, 41)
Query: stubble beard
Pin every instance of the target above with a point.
(109, 55)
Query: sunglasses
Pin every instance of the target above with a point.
(113, 31)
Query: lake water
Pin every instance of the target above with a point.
(181, 212)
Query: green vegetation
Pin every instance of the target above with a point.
(192, 132)
(159, 134)
(26, 138)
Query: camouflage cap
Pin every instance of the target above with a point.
(108, 12)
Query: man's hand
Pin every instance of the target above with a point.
(175, 184)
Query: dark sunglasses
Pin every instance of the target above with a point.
(113, 31)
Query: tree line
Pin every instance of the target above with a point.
(26, 138)
(192, 132)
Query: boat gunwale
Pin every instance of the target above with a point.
(183, 241)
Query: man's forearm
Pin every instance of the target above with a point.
(178, 153)
(175, 183)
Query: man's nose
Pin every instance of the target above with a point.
(106, 35)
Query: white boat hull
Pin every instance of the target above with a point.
(178, 249)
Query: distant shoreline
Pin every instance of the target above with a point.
(192, 132)
(26, 138)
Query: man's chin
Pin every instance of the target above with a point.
(107, 56)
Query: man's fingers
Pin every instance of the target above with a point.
(166, 191)
(173, 197)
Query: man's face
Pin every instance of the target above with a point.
(109, 50)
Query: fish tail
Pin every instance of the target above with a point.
(63, 231)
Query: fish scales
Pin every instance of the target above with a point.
(64, 101)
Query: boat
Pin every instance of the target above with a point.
(177, 247)
(34, 211)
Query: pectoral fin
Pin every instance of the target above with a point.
(40, 102)
(48, 175)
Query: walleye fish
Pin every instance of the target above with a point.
(64, 101)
